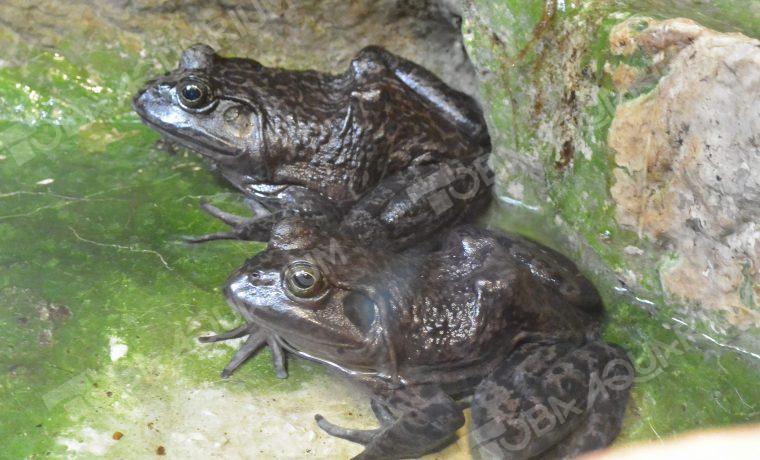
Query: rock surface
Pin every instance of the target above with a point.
(640, 138)
(315, 34)
(687, 158)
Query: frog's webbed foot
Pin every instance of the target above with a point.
(242, 228)
(555, 398)
(413, 421)
(257, 338)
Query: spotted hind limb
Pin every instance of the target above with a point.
(413, 422)
(458, 106)
(555, 399)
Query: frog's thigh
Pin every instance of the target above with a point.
(605, 418)
(546, 391)
(461, 109)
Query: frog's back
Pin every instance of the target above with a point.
(486, 290)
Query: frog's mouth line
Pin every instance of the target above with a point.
(208, 148)
(353, 373)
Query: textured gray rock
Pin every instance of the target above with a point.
(639, 139)
(687, 160)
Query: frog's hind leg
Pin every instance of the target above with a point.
(549, 394)
(459, 107)
(600, 427)
(413, 422)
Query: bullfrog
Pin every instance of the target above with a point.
(385, 148)
(483, 317)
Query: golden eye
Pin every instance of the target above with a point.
(193, 93)
(304, 280)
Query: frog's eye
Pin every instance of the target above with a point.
(304, 280)
(193, 94)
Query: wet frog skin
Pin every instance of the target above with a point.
(385, 148)
(495, 316)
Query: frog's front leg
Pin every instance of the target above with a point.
(413, 421)
(416, 203)
(256, 228)
(555, 398)
(290, 201)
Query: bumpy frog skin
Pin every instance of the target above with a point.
(386, 147)
(496, 316)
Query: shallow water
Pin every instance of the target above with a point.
(101, 302)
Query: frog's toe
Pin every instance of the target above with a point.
(382, 412)
(249, 348)
(228, 218)
(550, 393)
(278, 358)
(358, 436)
(242, 228)
(238, 332)
(249, 230)
(231, 235)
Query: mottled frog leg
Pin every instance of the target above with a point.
(550, 394)
(459, 107)
(416, 203)
(600, 427)
(413, 421)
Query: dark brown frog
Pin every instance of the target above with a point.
(385, 148)
(484, 313)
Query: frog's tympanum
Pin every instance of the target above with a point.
(387, 147)
(511, 322)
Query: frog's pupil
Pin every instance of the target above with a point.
(191, 92)
(303, 280)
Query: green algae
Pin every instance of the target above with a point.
(91, 221)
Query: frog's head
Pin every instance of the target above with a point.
(312, 291)
(200, 106)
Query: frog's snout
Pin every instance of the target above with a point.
(141, 101)
(234, 291)
(153, 99)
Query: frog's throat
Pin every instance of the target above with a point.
(392, 378)
(385, 333)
